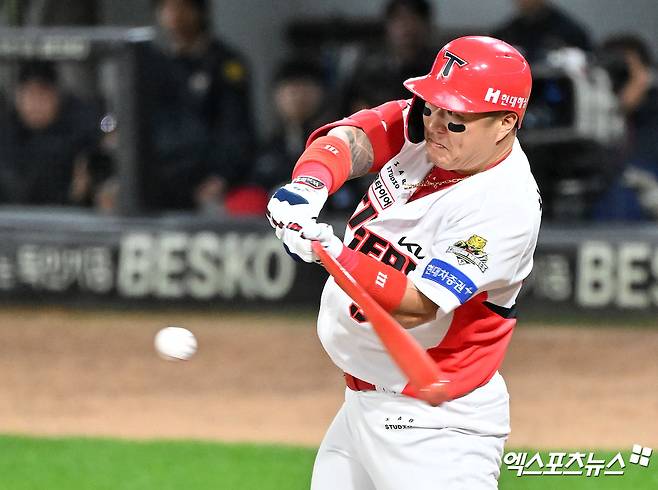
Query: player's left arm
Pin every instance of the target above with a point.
(336, 152)
(371, 137)
(362, 154)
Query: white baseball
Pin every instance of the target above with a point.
(175, 343)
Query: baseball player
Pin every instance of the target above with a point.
(442, 240)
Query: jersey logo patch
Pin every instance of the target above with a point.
(471, 252)
(309, 181)
(451, 278)
(381, 193)
(412, 248)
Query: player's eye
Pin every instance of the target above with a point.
(456, 116)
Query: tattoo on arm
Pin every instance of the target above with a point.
(361, 149)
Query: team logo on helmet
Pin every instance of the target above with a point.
(451, 60)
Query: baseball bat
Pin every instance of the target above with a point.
(410, 357)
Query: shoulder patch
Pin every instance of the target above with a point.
(451, 278)
(471, 251)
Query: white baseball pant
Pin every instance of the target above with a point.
(384, 441)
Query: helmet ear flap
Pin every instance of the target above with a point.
(415, 126)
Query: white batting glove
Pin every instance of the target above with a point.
(300, 201)
(324, 234)
(297, 239)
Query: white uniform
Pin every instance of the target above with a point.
(467, 247)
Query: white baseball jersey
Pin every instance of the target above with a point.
(467, 247)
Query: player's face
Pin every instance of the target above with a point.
(464, 142)
(297, 100)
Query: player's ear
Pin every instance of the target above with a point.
(506, 123)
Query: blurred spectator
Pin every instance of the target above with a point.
(300, 96)
(540, 27)
(79, 76)
(634, 194)
(214, 90)
(45, 139)
(407, 51)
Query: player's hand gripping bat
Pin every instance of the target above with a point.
(410, 357)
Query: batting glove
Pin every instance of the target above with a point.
(297, 240)
(297, 202)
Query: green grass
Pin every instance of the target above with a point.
(98, 464)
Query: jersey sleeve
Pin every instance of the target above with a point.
(474, 255)
(384, 126)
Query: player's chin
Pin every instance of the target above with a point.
(439, 158)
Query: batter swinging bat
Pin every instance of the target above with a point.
(410, 357)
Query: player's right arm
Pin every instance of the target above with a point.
(414, 308)
(336, 152)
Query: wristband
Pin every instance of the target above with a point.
(327, 159)
(384, 283)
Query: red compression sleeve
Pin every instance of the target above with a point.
(383, 125)
(385, 284)
(327, 159)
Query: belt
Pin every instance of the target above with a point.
(357, 384)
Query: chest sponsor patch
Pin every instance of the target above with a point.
(451, 278)
(471, 251)
(381, 193)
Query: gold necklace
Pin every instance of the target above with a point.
(430, 182)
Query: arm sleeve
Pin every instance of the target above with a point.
(475, 254)
(384, 126)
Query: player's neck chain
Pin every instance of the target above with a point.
(430, 182)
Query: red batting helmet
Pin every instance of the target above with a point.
(475, 74)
